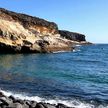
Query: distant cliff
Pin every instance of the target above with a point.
(72, 35)
(20, 33)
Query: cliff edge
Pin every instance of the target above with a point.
(20, 33)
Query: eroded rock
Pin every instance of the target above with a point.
(20, 33)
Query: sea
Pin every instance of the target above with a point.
(77, 79)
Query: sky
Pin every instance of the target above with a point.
(89, 17)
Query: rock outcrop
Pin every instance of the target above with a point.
(72, 35)
(20, 33)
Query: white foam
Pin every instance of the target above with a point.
(78, 45)
(71, 103)
(61, 51)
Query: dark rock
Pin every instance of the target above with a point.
(61, 106)
(39, 105)
(18, 101)
(13, 37)
(1, 32)
(12, 98)
(27, 20)
(72, 35)
(1, 94)
(5, 101)
(27, 42)
(8, 48)
(47, 105)
(31, 104)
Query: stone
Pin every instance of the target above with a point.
(5, 101)
(12, 102)
(18, 101)
(1, 94)
(59, 105)
(31, 104)
(16, 105)
(72, 35)
(47, 105)
(39, 105)
(12, 98)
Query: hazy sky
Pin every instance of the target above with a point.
(89, 17)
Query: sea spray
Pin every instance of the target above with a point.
(70, 103)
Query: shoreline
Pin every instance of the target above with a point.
(13, 102)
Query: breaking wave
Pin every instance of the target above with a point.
(70, 103)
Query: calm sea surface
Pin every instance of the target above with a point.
(73, 78)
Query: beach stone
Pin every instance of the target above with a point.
(1, 94)
(16, 105)
(47, 105)
(27, 102)
(31, 104)
(12, 97)
(5, 101)
(39, 105)
(59, 105)
(18, 101)
(26, 106)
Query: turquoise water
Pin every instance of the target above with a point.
(81, 75)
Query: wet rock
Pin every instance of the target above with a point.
(12, 102)
(12, 98)
(5, 101)
(31, 104)
(1, 94)
(18, 101)
(61, 106)
(39, 105)
(47, 105)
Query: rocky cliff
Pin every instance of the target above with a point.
(20, 33)
(72, 35)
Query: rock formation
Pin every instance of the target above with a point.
(20, 33)
(72, 35)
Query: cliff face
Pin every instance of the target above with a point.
(22, 33)
(72, 35)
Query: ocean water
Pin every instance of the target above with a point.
(78, 79)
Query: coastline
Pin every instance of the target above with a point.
(21, 33)
(12, 102)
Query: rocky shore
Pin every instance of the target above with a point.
(21, 33)
(11, 102)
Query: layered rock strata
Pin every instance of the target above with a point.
(20, 33)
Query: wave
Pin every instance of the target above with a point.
(78, 45)
(61, 52)
(70, 103)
